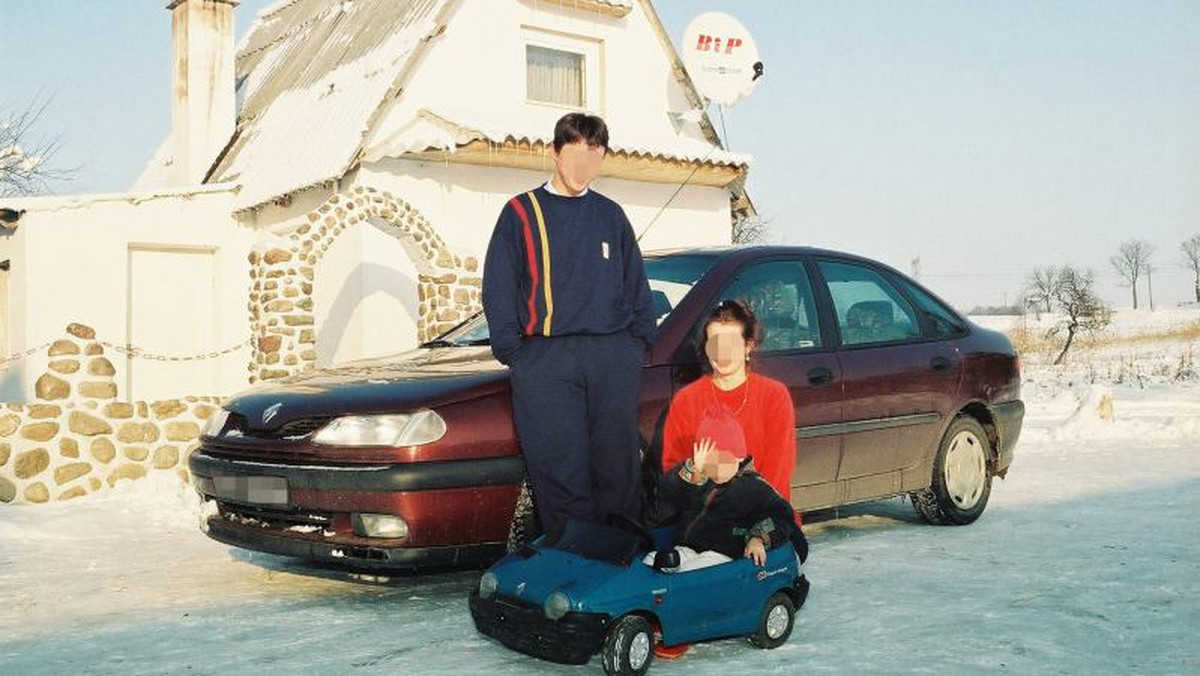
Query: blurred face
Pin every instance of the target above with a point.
(725, 348)
(577, 164)
(721, 466)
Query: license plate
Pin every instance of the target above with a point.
(257, 490)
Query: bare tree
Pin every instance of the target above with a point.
(1039, 288)
(1082, 310)
(26, 162)
(750, 230)
(1191, 254)
(1131, 260)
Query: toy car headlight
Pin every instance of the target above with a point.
(216, 423)
(557, 604)
(407, 429)
(487, 585)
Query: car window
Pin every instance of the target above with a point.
(779, 293)
(945, 323)
(671, 277)
(869, 309)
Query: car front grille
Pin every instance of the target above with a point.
(293, 429)
(277, 519)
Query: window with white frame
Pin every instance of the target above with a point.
(563, 69)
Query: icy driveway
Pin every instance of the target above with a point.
(1086, 562)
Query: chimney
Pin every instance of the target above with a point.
(203, 108)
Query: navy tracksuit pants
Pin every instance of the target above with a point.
(575, 407)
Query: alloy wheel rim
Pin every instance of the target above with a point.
(639, 650)
(777, 621)
(966, 470)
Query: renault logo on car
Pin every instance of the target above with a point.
(270, 412)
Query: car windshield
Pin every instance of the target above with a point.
(671, 276)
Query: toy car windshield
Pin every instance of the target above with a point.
(616, 545)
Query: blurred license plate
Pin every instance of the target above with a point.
(258, 490)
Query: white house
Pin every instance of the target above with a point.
(329, 186)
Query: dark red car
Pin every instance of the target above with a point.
(412, 461)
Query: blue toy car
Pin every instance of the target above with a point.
(590, 592)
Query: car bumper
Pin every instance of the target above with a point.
(523, 627)
(360, 556)
(1009, 417)
(457, 513)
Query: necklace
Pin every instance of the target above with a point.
(745, 394)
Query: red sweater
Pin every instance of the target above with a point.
(768, 421)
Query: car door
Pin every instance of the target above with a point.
(797, 352)
(892, 376)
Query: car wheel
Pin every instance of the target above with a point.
(775, 626)
(961, 482)
(629, 647)
(525, 526)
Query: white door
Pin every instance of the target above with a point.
(172, 313)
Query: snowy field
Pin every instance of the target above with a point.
(1087, 561)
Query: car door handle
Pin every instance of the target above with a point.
(940, 364)
(820, 376)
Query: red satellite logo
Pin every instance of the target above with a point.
(708, 43)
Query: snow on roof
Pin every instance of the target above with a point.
(61, 202)
(312, 73)
(445, 130)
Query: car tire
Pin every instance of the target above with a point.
(962, 478)
(629, 647)
(775, 625)
(525, 526)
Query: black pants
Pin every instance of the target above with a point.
(575, 407)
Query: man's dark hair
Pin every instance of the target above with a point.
(574, 127)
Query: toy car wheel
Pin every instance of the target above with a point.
(778, 617)
(629, 647)
(961, 482)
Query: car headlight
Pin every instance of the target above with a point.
(557, 604)
(488, 585)
(216, 423)
(401, 429)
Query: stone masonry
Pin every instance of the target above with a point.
(283, 270)
(77, 438)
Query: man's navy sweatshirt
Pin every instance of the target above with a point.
(561, 266)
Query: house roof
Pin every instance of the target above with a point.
(448, 131)
(314, 76)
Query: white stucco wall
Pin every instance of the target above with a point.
(475, 75)
(463, 201)
(73, 259)
(364, 297)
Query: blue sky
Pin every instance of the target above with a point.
(984, 138)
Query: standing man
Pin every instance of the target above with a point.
(569, 311)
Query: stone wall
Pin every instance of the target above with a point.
(76, 438)
(282, 271)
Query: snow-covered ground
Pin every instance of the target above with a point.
(1087, 561)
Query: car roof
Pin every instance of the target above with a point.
(744, 251)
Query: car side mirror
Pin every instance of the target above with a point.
(666, 558)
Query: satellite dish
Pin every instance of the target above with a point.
(721, 58)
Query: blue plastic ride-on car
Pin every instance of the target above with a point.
(590, 592)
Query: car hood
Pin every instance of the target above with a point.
(550, 570)
(420, 378)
